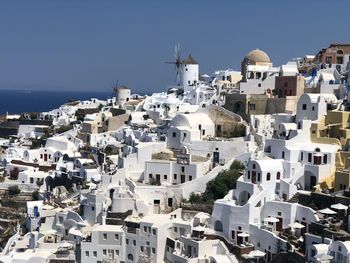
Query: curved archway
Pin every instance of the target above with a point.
(218, 226)
(130, 257)
(243, 197)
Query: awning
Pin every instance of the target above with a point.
(327, 211)
(339, 206)
(296, 225)
(243, 234)
(271, 219)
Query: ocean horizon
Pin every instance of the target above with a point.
(18, 101)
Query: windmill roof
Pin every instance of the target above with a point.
(189, 60)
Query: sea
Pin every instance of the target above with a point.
(18, 101)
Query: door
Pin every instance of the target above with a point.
(45, 157)
(218, 131)
(279, 224)
(183, 178)
(253, 177)
(158, 179)
(312, 181)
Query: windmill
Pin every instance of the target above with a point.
(115, 86)
(177, 63)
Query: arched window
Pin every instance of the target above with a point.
(268, 177)
(340, 52)
(278, 176)
(218, 226)
(130, 257)
(317, 150)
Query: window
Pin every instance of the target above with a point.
(183, 169)
(134, 242)
(153, 250)
(175, 229)
(233, 234)
(165, 177)
(279, 213)
(309, 157)
(174, 134)
(282, 154)
(253, 166)
(203, 132)
(175, 176)
(154, 232)
(104, 236)
(325, 159)
(278, 176)
(130, 257)
(150, 175)
(127, 241)
(259, 177)
(117, 252)
(199, 127)
(87, 254)
(304, 107)
(95, 254)
(248, 175)
(301, 156)
(104, 252)
(313, 108)
(252, 107)
(141, 248)
(116, 236)
(268, 176)
(218, 226)
(31, 179)
(190, 178)
(92, 208)
(145, 229)
(258, 244)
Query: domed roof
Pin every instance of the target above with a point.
(257, 55)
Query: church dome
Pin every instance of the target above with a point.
(257, 56)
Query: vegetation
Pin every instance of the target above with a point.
(35, 195)
(40, 182)
(37, 143)
(2, 179)
(220, 186)
(152, 181)
(63, 129)
(14, 190)
(14, 173)
(239, 131)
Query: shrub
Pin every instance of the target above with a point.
(35, 195)
(14, 173)
(14, 190)
(239, 130)
(195, 198)
(219, 187)
(152, 181)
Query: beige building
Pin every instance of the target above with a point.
(104, 122)
(257, 104)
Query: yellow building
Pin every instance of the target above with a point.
(334, 128)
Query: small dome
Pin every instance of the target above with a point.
(256, 56)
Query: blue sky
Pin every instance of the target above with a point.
(87, 45)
